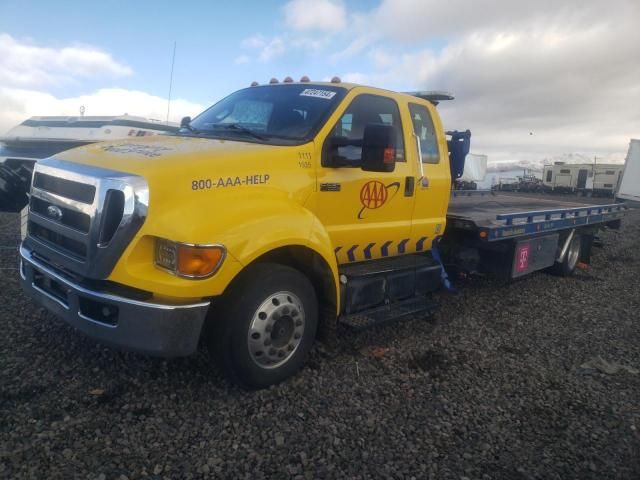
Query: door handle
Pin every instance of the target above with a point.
(409, 186)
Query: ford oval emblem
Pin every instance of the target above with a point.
(54, 212)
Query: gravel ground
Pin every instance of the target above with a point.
(491, 387)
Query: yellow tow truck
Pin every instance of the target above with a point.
(270, 217)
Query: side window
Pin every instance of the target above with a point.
(549, 174)
(364, 110)
(426, 132)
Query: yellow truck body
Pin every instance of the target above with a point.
(259, 198)
(114, 226)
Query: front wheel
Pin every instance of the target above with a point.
(266, 325)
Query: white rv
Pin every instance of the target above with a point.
(588, 178)
(40, 137)
(630, 184)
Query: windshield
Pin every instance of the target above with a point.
(268, 114)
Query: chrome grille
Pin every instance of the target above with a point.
(81, 218)
(67, 188)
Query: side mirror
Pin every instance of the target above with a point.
(379, 148)
(184, 123)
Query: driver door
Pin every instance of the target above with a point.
(367, 214)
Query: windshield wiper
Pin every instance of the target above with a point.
(192, 129)
(240, 129)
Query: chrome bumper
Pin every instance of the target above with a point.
(146, 327)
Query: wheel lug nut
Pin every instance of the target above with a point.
(298, 323)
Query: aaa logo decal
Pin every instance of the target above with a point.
(375, 194)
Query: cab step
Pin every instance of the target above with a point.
(386, 265)
(371, 285)
(386, 314)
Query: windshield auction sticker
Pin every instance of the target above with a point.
(314, 92)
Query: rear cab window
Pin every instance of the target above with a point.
(425, 131)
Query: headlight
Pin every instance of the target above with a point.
(188, 260)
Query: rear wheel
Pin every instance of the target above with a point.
(266, 326)
(568, 264)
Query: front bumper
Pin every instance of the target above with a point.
(141, 326)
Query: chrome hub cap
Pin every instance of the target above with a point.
(276, 330)
(574, 252)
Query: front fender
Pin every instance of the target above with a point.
(248, 227)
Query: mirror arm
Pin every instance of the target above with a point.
(420, 165)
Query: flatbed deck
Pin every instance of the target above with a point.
(498, 216)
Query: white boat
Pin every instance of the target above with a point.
(42, 137)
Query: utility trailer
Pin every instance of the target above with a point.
(513, 235)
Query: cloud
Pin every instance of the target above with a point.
(26, 65)
(572, 89)
(567, 74)
(271, 48)
(315, 15)
(268, 48)
(411, 20)
(241, 60)
(20, 104)
(356, 77)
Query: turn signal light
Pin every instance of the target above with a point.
(188, 260)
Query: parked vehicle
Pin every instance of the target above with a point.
(629, 189)
(42, 137)
(272, 216)
(589, 179)
(527, 182)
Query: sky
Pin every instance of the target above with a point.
(533, 81)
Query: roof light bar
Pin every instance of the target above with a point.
(433, 96)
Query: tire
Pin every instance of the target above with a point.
(570, 260)
(266, 326)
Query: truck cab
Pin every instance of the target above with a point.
(247, 229)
